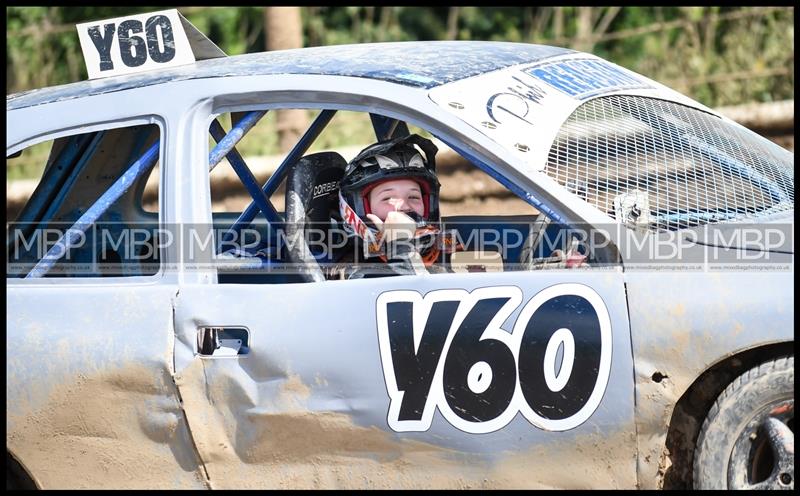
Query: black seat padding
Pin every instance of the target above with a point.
(312, 198)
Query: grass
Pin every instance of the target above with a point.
(30, 164)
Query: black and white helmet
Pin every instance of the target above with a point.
(409, 157)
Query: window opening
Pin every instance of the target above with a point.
(289, 251)
(86, 215)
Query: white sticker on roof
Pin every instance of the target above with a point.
(511, 107)
(522, 107)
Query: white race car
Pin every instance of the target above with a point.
(634, 330)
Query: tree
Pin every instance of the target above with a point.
(284, 30)
(588, 32)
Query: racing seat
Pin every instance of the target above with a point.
(312, 199)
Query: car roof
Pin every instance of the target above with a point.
(423, 64)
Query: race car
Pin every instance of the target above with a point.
(632, 329)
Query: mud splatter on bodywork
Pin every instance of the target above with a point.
(292, 445)
(420, 64)
(683, 324)
(91, 402)
(289, 445)
(116, 429)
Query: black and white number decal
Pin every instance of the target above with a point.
(446, 350)
(134, 43)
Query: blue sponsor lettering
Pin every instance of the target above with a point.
(558, 79)
(584, 78)
(526, 90)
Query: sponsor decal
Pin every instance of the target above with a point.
(325, 188)
(582, 78)
(448, 351)
(514, 101)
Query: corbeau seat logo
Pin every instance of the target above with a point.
(447, 350)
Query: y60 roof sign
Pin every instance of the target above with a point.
(142, 42)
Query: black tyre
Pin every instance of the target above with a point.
(747, 439)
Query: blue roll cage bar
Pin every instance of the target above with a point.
(384, 127)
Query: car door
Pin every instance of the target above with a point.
(332, 394)
(90, 398)
(453, 380)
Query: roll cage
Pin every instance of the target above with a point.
(68, 161)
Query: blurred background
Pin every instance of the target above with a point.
(738, 60)
(717, 55)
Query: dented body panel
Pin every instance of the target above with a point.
(91, 402)
(307, 408)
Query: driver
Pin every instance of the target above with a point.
(389, 204)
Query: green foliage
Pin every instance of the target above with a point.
(425, 25)
(236, 30)
(42, 46)
(30, 164)
(716, 55)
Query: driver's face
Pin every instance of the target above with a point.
(402, 195)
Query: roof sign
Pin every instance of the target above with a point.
(142, 42)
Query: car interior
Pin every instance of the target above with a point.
(83, 171)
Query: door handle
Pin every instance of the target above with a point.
(223, 341)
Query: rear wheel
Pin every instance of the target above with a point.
(747, 439)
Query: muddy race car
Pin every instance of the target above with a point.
(633, 328)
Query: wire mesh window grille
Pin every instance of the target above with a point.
(659, 165)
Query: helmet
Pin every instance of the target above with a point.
(392, 159)
(397, 158)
